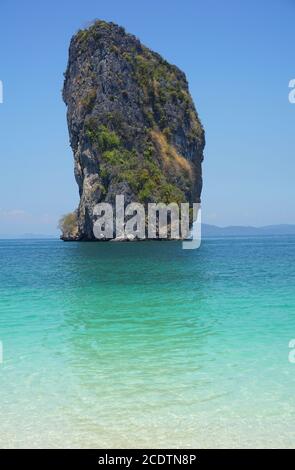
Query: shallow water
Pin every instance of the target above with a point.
(146, 344)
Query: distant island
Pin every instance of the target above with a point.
(243, 231)
(27, 236)
(207, 232)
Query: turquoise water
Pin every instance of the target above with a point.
(146, 344)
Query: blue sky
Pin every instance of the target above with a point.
(238, 57)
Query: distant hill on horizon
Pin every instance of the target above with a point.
(207, 231)
(240, 230)
(26, 236)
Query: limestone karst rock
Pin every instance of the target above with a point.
(133, 126)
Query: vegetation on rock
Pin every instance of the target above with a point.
(68, 224)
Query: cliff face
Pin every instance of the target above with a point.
(133, 126)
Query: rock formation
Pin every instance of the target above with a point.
(132, 123)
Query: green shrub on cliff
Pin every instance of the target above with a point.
(68, 224)
(147, 192)
(88, 101)
(118, 156)
(101, 136)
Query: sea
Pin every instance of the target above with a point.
(147, 345)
